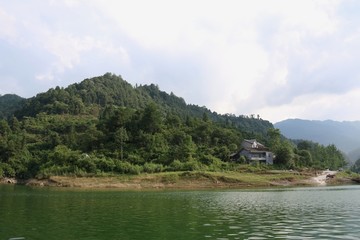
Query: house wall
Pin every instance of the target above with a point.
(269, 158)
(259, 156)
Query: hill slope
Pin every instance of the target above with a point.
(345, 135)
(104, 125)
(109, 89)
(10, 103)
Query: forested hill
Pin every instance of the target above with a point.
(9, 103)
(104, 125)
(93, 94)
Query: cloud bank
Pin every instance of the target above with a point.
(277, 58)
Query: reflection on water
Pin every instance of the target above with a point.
(296, 213)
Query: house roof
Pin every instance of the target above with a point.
(252, 144)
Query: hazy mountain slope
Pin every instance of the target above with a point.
(355, 154)
(345, 135)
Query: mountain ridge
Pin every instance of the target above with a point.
(344, 134)
(111, 89)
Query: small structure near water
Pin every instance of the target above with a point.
(254, 152)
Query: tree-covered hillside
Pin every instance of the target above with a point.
(9, 103)
(93, 94)
(106, 125)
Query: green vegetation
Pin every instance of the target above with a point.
(319, 156)
(9, 103)
(104, 125)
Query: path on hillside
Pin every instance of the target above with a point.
(321, 179)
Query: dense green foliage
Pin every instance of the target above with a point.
(9, 103)
(310, 154)
(304, 154)
(121, 140)
(105, 125)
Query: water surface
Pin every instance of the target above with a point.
(295, 213)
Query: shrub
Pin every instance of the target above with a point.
(176, 165)
(153, 168)
(135, 159)
(87, 164)
(127, 168)
(122, 167)
(54, 170)
(105, 164)
(8, 171)
(191, 166)
(136, 169)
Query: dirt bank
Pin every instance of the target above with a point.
(186, 180)
(324, 177)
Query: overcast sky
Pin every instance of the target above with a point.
(277, 58)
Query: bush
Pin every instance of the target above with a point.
(105, 164)
(153, 168)
(135, 159)
(122, 167)
(191, 165)
(176, 165)
(127, 168)
(213, 163)
(54, 170)
(8, 171)
(242, 160)
(136, 169)
(87, 164)
(79, 172)
(62, 155)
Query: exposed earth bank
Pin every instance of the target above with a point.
(194, 180)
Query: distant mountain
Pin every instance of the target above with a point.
(345, 135)
(9, 103)
(354, 155)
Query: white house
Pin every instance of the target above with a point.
(254, 152)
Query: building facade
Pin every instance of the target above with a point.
(254, 152)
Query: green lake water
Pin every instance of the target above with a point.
(294, 213)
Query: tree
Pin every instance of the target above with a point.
(284, 154)
(274, 136)
(151, 120)
(305, 158)
(120, 138)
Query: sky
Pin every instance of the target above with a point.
(277, 58)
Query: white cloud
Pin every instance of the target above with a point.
(317, 107)
(273, 57)
(68, 49)
(7, 26)
(47, 77)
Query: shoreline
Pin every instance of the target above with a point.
(189, 180)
